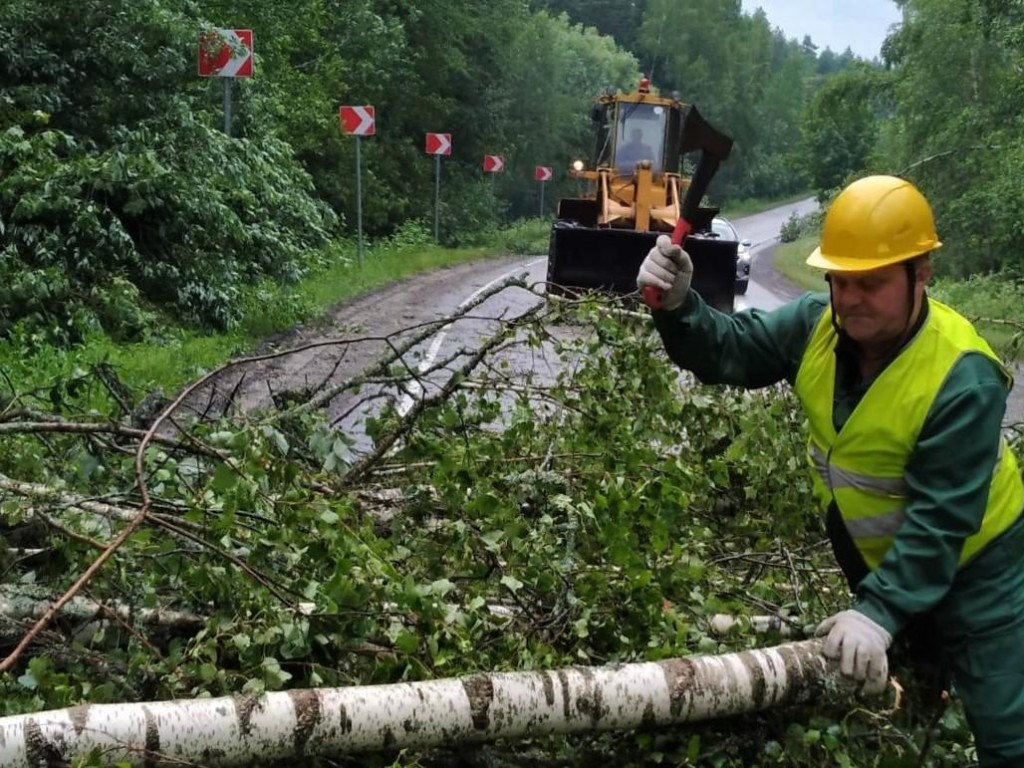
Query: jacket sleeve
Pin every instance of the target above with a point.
(948, 479)
(753, 348)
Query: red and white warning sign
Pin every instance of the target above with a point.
(439, 143)
(542, 173)
(358, 121)
(225, 53)
(494, 164)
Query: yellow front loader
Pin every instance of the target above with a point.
(635, 192)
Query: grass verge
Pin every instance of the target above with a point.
(748, 207)
(790, 260)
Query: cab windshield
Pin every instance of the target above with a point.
(639, 135)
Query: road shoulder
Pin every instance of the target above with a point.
(771, 278)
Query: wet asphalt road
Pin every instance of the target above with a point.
(367, 330)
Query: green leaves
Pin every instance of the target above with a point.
(841, 127)
(122, 185)
(612, 526)
(955, 127)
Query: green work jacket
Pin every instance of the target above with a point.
(860, 469)
(947, 475)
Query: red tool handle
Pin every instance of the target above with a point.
(652, 295)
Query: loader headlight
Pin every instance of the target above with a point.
(577, 165)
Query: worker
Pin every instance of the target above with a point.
(921, 494)
(634, 151)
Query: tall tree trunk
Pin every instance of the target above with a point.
(240, 730)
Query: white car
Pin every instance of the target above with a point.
(723, 229)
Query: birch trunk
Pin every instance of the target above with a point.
(241, 730)
(17, 604)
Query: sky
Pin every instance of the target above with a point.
(860, 24)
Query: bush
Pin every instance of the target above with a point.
(796, 226)
(101, 190)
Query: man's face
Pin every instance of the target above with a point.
(873, 306)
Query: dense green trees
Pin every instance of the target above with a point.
(841, 127)
(946, 112)
(118, 189)
(117, 183)
(958, 72)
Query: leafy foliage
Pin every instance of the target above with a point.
(840, 128)
(103, 192)
(532, 526)
(956, 130)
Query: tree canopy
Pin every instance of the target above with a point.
(120, 192)
(119, 187)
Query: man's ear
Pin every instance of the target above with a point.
(923, 269)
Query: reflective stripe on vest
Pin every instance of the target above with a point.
(862, 467)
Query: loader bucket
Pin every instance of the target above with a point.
(607, 260)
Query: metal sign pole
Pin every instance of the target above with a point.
(437, 194)
(227, 104)
(542, 200)
(359, 203)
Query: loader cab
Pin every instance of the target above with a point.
(640, 135)
(631, 131)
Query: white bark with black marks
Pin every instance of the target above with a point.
(239, 730)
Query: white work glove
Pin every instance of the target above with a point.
(668, 268)
(860, 645)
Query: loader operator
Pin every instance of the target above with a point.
(634, 151)
(904, 400)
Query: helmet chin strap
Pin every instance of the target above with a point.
(911, 284)
(832, 306)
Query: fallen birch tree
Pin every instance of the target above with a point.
(333, 721)
(505, 517)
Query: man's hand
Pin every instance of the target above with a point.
(669, 269)
(860, 645)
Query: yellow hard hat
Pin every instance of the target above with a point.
(876, 221)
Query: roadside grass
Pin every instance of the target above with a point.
(994, 302)
(790, 258)
(173, 354)
(748, 207)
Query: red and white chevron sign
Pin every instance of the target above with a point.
(225, 53)
(542, 173)
(358, 121)
(494, 164)
(439, 143)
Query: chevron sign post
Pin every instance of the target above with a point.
(358, 122)
(543, 174)
(438, 144)
(225, 53)
(494, 164)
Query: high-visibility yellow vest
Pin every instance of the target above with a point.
(862, 467)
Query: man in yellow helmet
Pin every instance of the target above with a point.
(904, 399)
